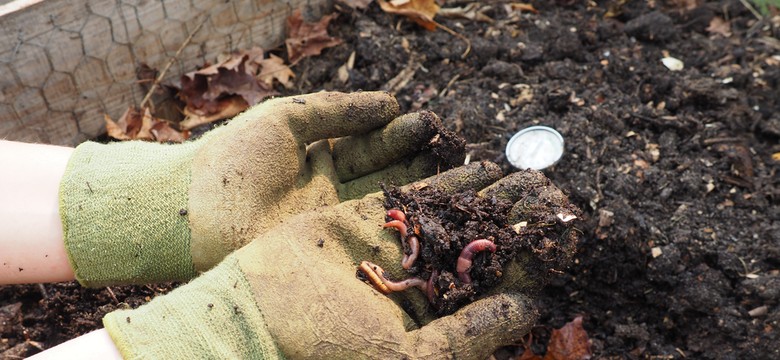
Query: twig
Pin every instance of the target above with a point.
(752, 9)
(45, 293)
(159, 78)
(112, 295)
(456, 34)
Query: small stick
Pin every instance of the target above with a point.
(159, 78)
(467, 254)
(43, 291)
(455, 34)
(112, 295)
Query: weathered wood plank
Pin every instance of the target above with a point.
(65, 63)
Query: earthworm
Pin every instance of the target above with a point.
(399, 222)
(429, 290)
(399, 225)
(396, 214)
(377, 277)
(464, 260)
(409, 259)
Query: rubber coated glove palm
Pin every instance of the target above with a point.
(293, 292)
(139, 212)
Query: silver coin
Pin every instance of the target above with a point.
(536, 147)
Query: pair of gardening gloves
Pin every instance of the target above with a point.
(276, 209)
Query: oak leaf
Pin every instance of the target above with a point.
(570, 342)
(235, 74)
(719, 26)
(421, 12)
(274, 68)
(306, 39)
(226, 107)
(137, 124)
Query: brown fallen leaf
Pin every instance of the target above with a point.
(137, 124)
(473, 11)
(306, 39)
(204, 91)
(228, 107)
(421, 12)
(274, 68)
(523, 7)
(570, 342)
(237, 81)
(719, 26)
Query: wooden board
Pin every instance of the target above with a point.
(66, 63)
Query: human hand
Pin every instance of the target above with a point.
(140, 212)
(293, 292)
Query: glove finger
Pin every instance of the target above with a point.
(332, 114)
(478, 329)
(319, 162)
(424, 164)
(514, 186)
(473, 176)
(356, 156)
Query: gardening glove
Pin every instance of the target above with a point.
(293, 293)
(138, 212)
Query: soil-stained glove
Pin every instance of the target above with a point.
(138, 212)
(294, 292)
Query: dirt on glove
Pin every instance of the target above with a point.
(445, 224)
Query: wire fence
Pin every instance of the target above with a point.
(64, 64)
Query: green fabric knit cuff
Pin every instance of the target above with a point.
(213, 317)
(124, 212)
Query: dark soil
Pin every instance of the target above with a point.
(446, 223)
(680, 251)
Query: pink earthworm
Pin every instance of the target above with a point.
(409, 259)
(398, 225)
(464, 260)
(377, 277)
(429, 287)
(399, 222)
(396, 214)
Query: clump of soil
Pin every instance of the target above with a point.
(537, 224)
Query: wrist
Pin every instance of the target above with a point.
(124, 212)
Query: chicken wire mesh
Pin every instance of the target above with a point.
(64, 64)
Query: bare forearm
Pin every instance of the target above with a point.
(94, 345)
(31, 242)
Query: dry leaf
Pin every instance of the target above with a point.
(719, 26)
(135, 124)
(420, 11)
(274, 68)
(570, 342)
(523, 7)
(473, 11)
(306, 39)
(228, 107)
(204, 91)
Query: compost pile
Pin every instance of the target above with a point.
(446, 223)
(676, 172)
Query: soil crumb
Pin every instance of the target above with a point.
(541, 223)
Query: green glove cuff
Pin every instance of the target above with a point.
(214, 316)
(124, 212)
